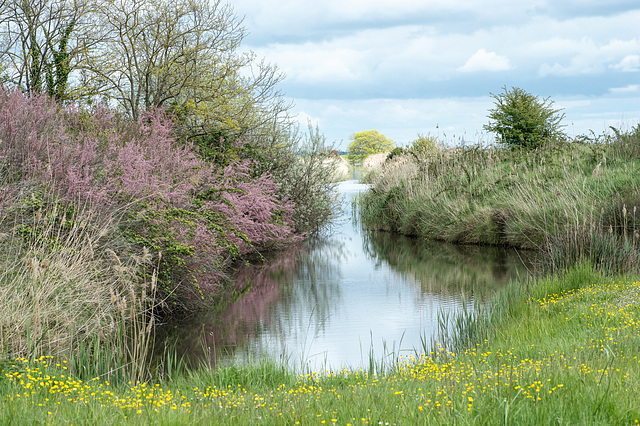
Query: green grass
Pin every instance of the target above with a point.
(573, 201)
(561, 349)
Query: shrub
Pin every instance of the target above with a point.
(522, 120)
(199, 215)
(424, 145)
(395, 151)
(301, 165)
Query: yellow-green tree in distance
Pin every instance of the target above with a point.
(366, 143)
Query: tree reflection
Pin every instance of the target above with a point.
(331, 293)
(291, 296)
(448, 269)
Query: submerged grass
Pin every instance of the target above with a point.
(562, 349)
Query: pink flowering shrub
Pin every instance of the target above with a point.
(198, 216)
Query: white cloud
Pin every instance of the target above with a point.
(315, 63)
(402, 66)
(585, 56)
(485, 61)
(627, 89)
(630, 63)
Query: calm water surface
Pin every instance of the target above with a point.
(345, 298)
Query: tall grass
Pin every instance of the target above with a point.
(573, 201)
(555, 350)
(69, 287)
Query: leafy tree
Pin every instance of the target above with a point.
(366, 143)
(181, 56)
(522, 120)
(424, 144)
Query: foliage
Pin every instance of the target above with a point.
(571, 201)
(301, 163)
(366, 143)
(199, 215)
(395, 151)
(522, 120)
(57, 72)
(182, 56)
(424, 144)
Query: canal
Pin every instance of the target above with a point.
(348, 299)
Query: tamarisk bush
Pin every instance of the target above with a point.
(194, 216)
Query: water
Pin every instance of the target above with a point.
(347, 299)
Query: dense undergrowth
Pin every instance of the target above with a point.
(573, 201)
(107, 223)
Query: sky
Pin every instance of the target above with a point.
(405, 67)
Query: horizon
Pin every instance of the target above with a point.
(404, 68)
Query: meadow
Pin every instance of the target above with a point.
(555, 351)
(101, 235)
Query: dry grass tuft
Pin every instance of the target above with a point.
(66, 277)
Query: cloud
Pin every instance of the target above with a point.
(404, 67)
(630, 63)
(627, 89)
(588, 56)
(485, 61)
(573, 8)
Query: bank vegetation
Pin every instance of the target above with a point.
(572, 200)
(142, 156)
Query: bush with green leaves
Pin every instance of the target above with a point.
(522, 120)
(424, 144)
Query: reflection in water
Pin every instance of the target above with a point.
(446, 268)
(341, 299)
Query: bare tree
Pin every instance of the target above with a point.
(181, 55)
(40, 43)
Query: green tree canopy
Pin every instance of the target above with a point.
(424, 144)
(522, 120)
(366, 143)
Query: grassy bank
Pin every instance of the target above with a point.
(108, 224)
(555, 350)
(572, 200)
(99, 229)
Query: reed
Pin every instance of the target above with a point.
(572, 201)
(71, 287)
